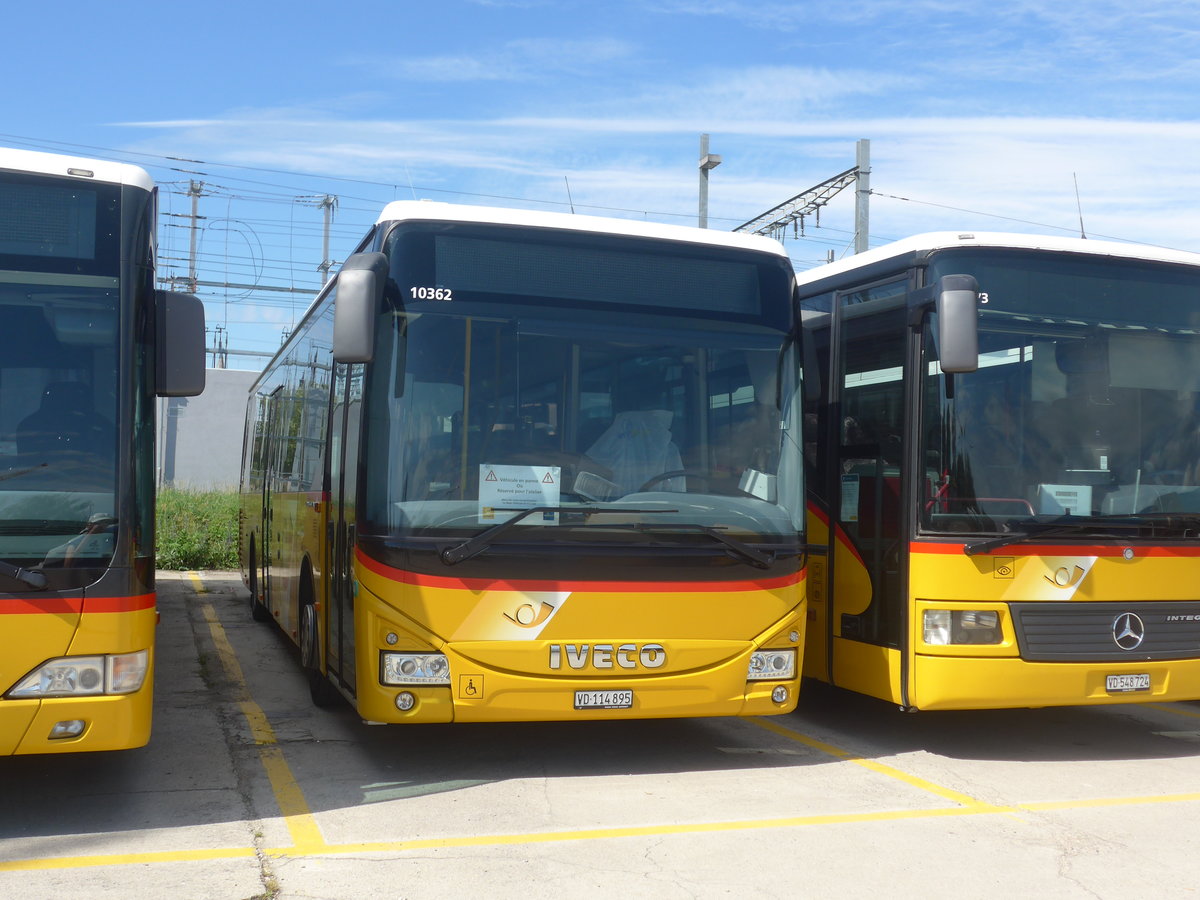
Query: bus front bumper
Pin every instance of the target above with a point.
(943, 682)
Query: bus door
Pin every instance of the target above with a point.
(868, 541)
(270, 454)
(344, 421)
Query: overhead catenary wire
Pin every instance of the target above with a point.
(284, 258)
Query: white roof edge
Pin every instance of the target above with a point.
(57, 164)
(402, 210)
(942, 240)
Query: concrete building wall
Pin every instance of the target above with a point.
(200, 438)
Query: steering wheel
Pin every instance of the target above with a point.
(674, 473)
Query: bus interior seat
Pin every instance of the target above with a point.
(638, 446)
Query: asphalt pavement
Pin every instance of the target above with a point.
(248, 791)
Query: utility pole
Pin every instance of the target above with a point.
(775, 222)
(195, 190)
(862, 196)
(327, 202)
(708, 162)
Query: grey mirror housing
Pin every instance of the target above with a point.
(179, 355)
(359, 289)
(957, 304)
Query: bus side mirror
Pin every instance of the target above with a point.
(957, 306)
(179, 356)
(359, 292)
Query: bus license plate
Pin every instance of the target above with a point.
(1126, 684)
(603, 699)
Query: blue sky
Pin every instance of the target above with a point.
(981, 116)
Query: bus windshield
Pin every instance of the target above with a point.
(59, 310)
(631, 390)
(1085, 410)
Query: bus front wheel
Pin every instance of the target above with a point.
(319, 688)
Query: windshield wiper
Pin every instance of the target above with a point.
(452, 556)
(25, 576)
(1032, 530)
(741, 549)
(19, 472)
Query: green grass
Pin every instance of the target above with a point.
(197, 530)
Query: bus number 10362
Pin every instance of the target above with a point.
(429, 293)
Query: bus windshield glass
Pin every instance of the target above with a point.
(1085, 410)
(635, 390)
(59, 313)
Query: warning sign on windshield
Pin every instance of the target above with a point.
(505, 490)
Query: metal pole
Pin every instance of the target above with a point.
(708, 161)
(862, 194)
(194, 189)
(328, 202)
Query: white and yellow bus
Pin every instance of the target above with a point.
(531, 466)
(1005, 504)
(87, 343)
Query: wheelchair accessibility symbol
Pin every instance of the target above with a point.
(470, 687)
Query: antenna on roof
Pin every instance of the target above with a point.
(1079, 206)
(570, 202)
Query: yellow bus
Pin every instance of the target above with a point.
(87, 342)
(1005, 500)
(531, 466)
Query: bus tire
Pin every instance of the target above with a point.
(258, 612)
(323, 693)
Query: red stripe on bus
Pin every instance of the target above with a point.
(1117, 549)
(490, 584)
(118, 604)
(73, 606)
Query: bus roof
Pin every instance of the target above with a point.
(426, 210)
(903, 253)
(38, 163)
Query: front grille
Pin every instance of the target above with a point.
(1084, 632)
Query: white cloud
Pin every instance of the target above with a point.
(1137, 179)
(516, 60)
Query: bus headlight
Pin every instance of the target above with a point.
(962, 626)
(772, 665)
(85, 676)
(414, 668)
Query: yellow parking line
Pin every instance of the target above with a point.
(125, 859)
(301, 823)
(501, 840)
(1174, 710)
(882, 769)
(1099, 802)
(589, 834)
(308, 840)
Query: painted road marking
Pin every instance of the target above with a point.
(503, 840)
(877, 767)
(301, 823)
(308, 841)
(1174, 710)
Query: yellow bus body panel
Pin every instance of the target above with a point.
(112, 722)
(994, 676)
(498, 642)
